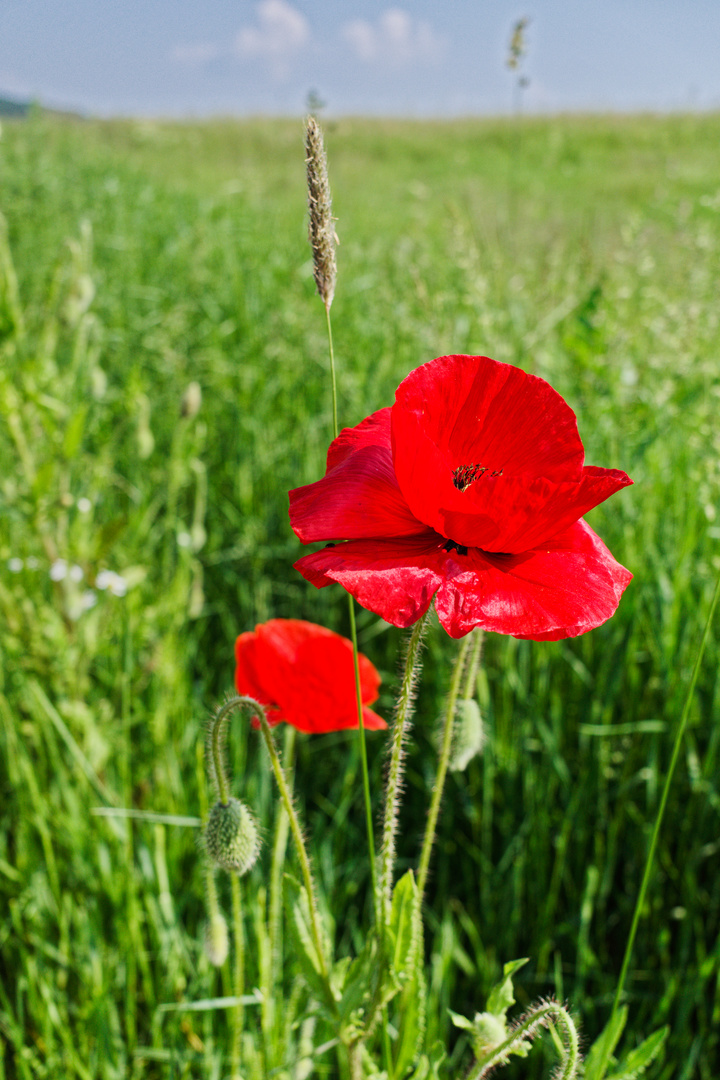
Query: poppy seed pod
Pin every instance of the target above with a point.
(231, 837)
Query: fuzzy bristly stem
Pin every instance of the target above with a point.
(278, 859)
(444, 756)
(257, 709)
(527, 1027)
(639, 903)
(217, 746)
(393, 786)
(239, 976)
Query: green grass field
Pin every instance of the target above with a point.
(142, 257)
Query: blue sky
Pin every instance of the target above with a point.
(393, 57)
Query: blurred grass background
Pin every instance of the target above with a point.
(142, 257)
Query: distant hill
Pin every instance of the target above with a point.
(10, 107)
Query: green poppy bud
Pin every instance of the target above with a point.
(231, 837)
(469, 737)
(216, 939)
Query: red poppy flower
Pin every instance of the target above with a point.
(305, 675)
(469, 490)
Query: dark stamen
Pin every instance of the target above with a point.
(452, 546)
(465, 475)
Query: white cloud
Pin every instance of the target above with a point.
(395, 38)
(280, 33)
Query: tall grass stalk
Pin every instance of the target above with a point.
(322, 241)
(639, 903)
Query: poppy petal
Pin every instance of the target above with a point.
(467, 432)
(396, 579)
(374, 430)
(359, 495)
(248, 675)
(563, 589)
(306, 674)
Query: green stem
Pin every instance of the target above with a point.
(394, 778)
(239, 974)
(278, 859)
(286, 797)
(443, 761)
(663, 802)
(332, 371)
(361, 721)
(356, 660)
(217, 745)
(527, 1028)
(364, 760)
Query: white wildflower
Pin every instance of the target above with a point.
(58, 570)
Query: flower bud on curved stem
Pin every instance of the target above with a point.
(540, 1015)
(231, 837)
(242, 702)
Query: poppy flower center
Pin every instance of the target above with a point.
(465, 475)
(451, 545)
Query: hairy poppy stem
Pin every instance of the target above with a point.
(639, 903)
(278, 858)
(393, 785)
(257, 709)
(216, 745)
(239, 976)
(527, 1027)
(461, 665)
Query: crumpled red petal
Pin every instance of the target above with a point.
(569, 586)
(359, 494)
(306, 673)
(396, 579)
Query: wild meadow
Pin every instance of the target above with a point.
(164, 381)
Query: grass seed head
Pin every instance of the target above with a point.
(321, 229)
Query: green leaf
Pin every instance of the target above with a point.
(360, 979)
(428, 1067)
(489, 1029)
(501, 996)
(600, 1053)
(461, 1021)
(402, 915)
(74, 432)
(637, 1060)
(411, 1011)
(298, 914)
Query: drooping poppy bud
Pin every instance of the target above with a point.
(231, 837)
